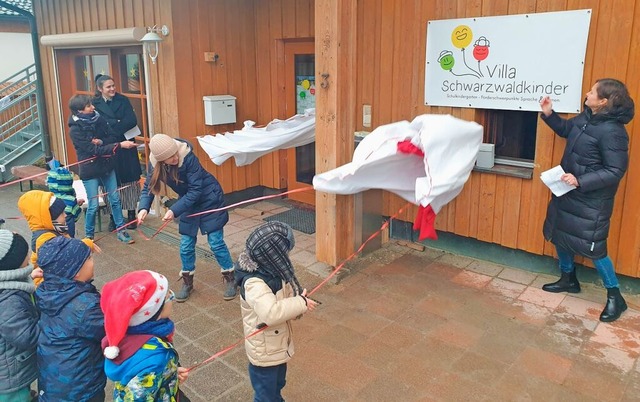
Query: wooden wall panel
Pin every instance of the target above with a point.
(629, 237)
(244, 39)
(248, 35)
(237, 30)
(503, 210)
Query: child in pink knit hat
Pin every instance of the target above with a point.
(140, 359)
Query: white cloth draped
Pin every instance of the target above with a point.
(250, 143)
(450, 147)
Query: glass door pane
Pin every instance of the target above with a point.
(305, 82)
(132, 67)
(305, 99)
(100, 64)
(83, 74)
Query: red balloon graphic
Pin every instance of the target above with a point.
(481, 48)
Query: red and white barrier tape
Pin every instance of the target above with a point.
(43, 173)
(315, 289)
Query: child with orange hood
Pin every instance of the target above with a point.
(45, 215)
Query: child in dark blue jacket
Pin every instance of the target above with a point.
(18, 319)
(173, 163)
(71, 325)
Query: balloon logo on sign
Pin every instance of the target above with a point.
(461, 38)
(446, 60)
(481, 49)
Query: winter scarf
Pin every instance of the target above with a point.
(88, 118)
(162, 328)
(18, 279)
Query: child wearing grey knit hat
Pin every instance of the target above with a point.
(19, 317)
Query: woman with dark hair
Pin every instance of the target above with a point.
(595, 159)
(118, 112)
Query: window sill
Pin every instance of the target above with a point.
(506, 170)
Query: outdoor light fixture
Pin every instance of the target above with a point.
(151, 39)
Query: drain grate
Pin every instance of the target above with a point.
(173, 240)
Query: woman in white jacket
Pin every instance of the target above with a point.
(271, 297)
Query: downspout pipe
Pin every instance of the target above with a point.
(42, 108)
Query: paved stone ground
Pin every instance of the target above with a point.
(401, 325)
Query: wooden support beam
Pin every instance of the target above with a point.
(335, 41)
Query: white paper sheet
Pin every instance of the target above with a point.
(551, 178)
(135, 131)
(81, 193)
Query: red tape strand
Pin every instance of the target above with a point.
(266, 197)
(107, 192)
(116, 230)
(43, 173)
(334, 273)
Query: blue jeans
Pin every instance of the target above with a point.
(603, 265)
(267, 382)
(110, 185)
(218, 248)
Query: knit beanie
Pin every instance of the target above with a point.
(56, 207)
(62, 257)
(13, 250)
(130, 300)
(162, 147)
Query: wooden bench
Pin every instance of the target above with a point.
(22, 172)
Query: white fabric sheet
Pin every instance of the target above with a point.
(450, 146)
(250, 143)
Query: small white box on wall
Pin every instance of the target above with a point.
(486, 156)
(219, 109)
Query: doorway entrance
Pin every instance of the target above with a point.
(300, 89)
(77, 69)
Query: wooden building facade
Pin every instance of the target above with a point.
(374, 51)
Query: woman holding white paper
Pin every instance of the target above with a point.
(595, 159)
(121, 118)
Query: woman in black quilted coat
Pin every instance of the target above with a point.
(594, 160)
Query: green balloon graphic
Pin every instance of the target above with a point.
(446, 60)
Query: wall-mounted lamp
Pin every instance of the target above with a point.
(151, 39)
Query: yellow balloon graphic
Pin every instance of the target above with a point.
(306, 84)
(461, 36)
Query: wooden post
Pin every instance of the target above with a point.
(335, 41)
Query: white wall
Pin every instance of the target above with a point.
(16, 53)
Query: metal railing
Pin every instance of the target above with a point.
(18, 103)
(20, 128)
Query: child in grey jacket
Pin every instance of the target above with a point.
(19, 317)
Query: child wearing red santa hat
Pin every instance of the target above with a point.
(140, 359)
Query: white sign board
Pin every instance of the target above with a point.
(508, 62)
